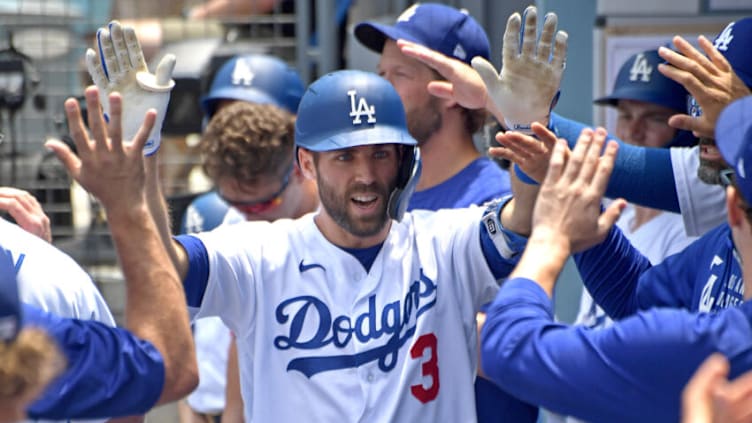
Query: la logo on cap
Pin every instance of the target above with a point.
(242, 73)
(407, 14)
(723, 40)
(640, 69)
(362, 108)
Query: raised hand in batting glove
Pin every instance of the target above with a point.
(119, 65)
(527, 87)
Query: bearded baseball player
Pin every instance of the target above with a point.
(363, 311)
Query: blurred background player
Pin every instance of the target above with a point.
(248, 154)
(645, 100)
(455, 173)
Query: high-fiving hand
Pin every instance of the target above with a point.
(527, 87)
(119, 66)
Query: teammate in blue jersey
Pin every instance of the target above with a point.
(636, 369)
(106, 371)
(455, 174)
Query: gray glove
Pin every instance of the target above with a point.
(527, 87)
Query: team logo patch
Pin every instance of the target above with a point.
(723, 40)
(359, 107)
(242, 74)
(640, 69)
(407, 14)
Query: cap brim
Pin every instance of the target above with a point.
(370, 136)
(374, 35)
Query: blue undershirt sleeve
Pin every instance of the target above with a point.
(641, 175)
(110, 372)
(611, 272)
(632, 371)
(198, 269)
(501, 247)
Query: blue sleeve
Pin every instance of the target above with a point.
(632, 371)
(110, 372)
(198, 269)
(611, 272)
(641, 175)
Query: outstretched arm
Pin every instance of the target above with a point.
(112, 169)
(118, 65)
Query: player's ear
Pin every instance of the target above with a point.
(733, 203)
(306, 163)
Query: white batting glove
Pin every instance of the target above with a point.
(119, 66)
(527, 87)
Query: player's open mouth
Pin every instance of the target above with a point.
(365, 201)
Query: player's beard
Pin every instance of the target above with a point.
(423, 122)
(709, 170)
(338, 207)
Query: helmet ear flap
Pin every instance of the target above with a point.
(407, 179)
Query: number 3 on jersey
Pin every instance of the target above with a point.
(430, 367)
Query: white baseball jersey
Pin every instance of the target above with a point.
(51, 280)
(320, 339)
(703, 206)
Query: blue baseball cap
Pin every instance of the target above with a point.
(638, 79)
(445, 29)
(10, 305)
(733, 43)
(733, 136)
(255, 78)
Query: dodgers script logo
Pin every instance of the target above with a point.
(640, 69)
(362, 108)
(242, 74)
(396, 320)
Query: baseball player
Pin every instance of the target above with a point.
(634, 370)
(644, 99)
(108, 371)
(455, 173)
(346, 304)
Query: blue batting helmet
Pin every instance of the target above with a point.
(255, 78)
(639, 79)
(206, 212)
(351, 108)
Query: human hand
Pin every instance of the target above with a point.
(106, 166)
(26, 211)
(710, 398)
(531, 155)
(463, 84)
(119, 66)
(568, 209)
(527, 87)
(709, 79)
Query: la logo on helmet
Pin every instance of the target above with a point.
(362, 109)
(242, 73)
(640, 69)
(723, 40)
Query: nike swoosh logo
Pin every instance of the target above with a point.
(305, 267)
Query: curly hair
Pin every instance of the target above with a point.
(28, 363)
(246, 141)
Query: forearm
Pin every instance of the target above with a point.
(517, 215)
(542, 261)
(161, 215)
(641, 175)
(155, 309)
